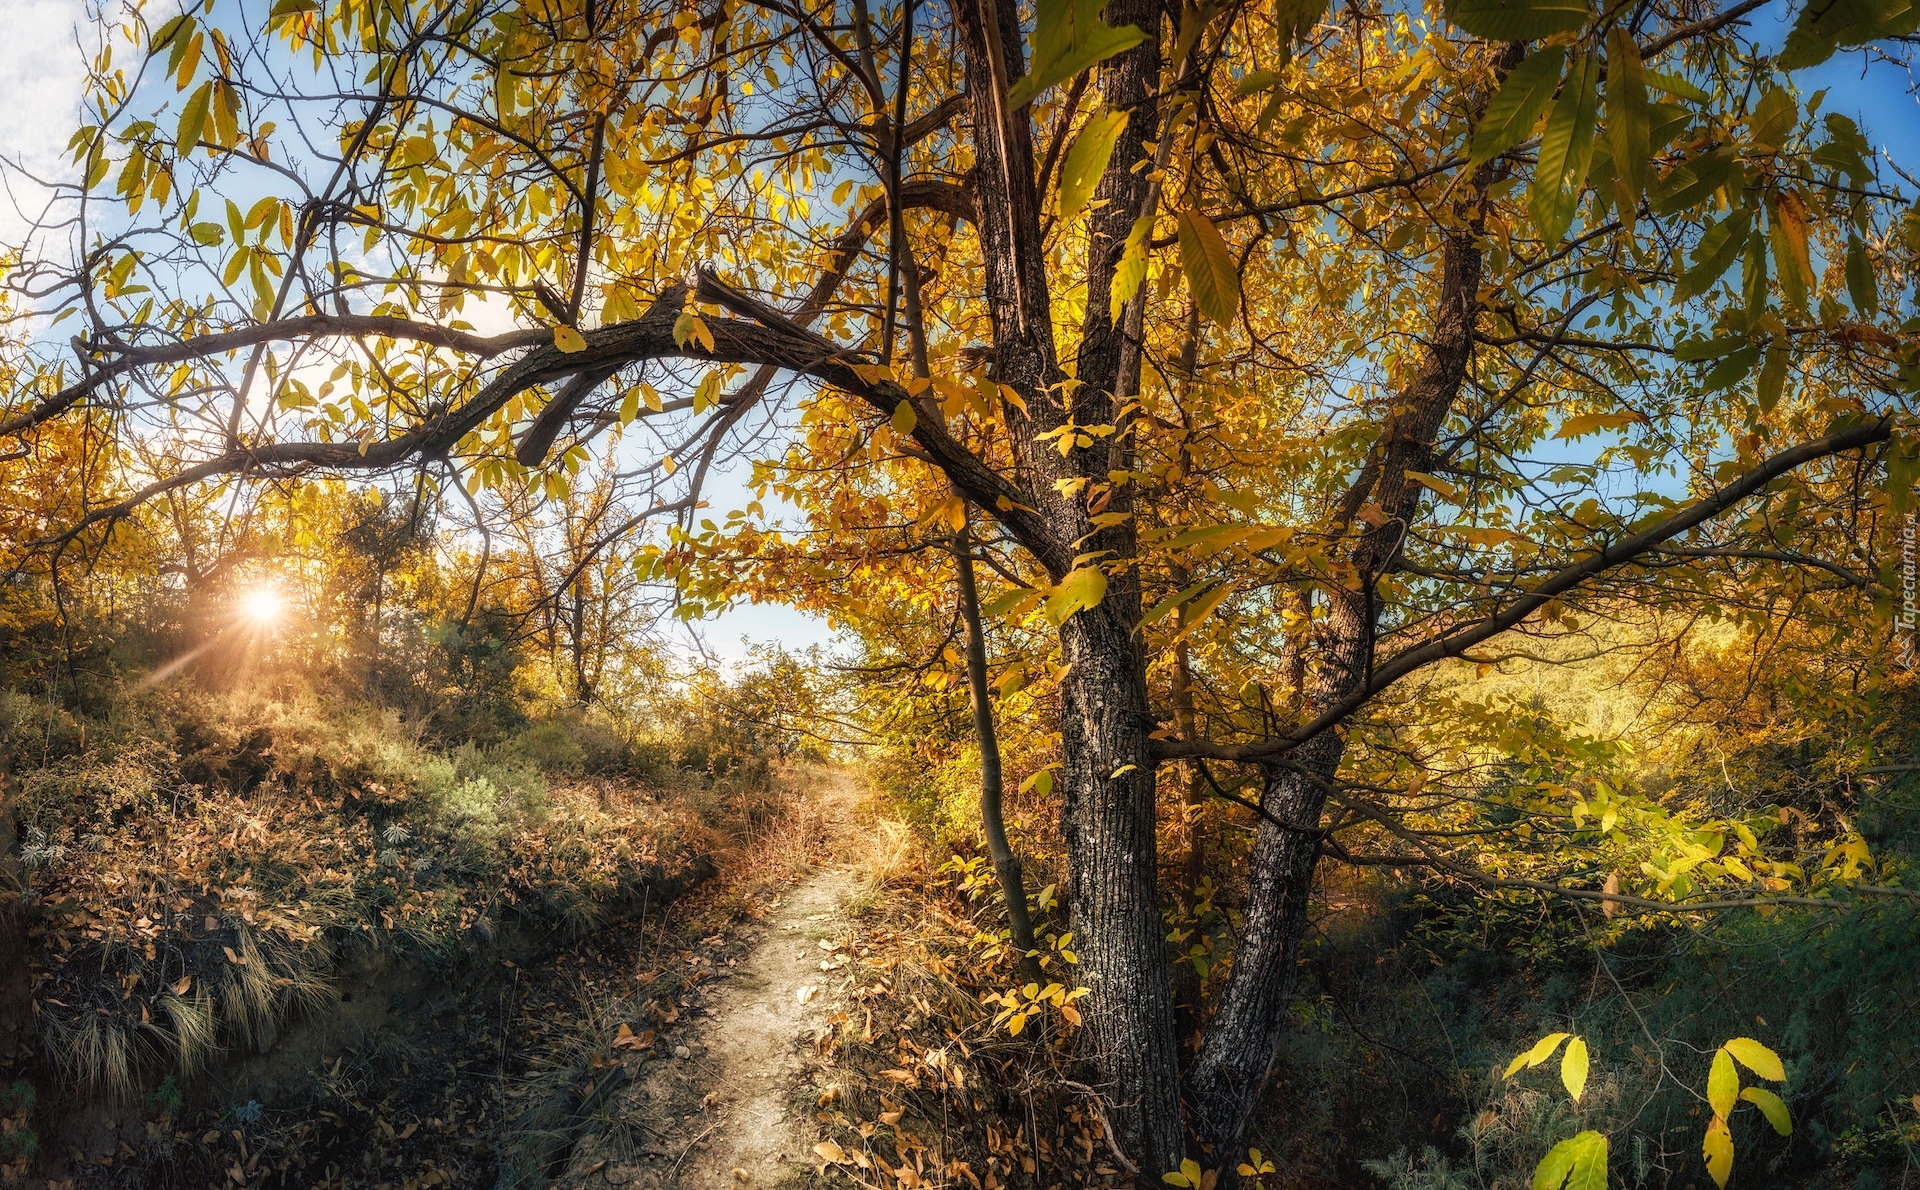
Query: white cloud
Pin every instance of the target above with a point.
(44, 71)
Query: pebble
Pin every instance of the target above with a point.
(681, 1051)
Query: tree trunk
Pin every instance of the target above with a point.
(16, 989)
(1006, 865)
(1237, 1056)
(1109, 825)
(1108, 811)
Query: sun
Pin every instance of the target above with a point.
(262, 605)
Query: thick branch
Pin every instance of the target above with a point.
(1620, 553)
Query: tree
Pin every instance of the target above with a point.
(288, 230)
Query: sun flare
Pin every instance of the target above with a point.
(262, 605)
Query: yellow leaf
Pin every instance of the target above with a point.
(1541, 1051)
(1757, 1058)
(1770, 1106)
(1573, 1068)
(1718, 1150)
(1435, 484)
(1211, 276)
(568, 339)
(1087, 160)
(1723, 1084)
(904, 418)
(1081, 589)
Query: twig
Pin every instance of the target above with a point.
(673, 1175)
(1106, 1127)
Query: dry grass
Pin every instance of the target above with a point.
(915, 1082)
(183, 919)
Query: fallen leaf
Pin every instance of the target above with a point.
(806, 993)
(627, 1039)
(831, 1153)
(233, 958)
(179, 987)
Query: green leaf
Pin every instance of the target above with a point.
(1823, 26)
(1676, 86)
(1087, 160)
(1717, 1148)
(1069, 37)
(1576, 1163)
(1753, 279)
(1512, 113)
(164, 35)
(1757, 1058)
(1080, 590)
(1715, 254)
(1566, 150)
(1773, 119)
(1211, 277)
(1860, 283)
(1770, 1106)
(193, 118)
(1731, 369)
(1010, 600)
(1519, 20)
(1573, 1068)
(1773, 379)
(1692, 183)
(1723, 1083)
(1628, 126)
(1172, 601)
(1787, 230)
(1695, 350)
(1541, 1051)
(904, 418)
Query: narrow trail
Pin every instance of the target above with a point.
(724, 1106)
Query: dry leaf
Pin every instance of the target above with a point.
(806, 993)
(180, 986)
(627, 1039)
(831, 1153)
(233, 958)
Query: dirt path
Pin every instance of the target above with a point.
(721, 1108)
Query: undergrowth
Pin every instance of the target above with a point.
(197, 866)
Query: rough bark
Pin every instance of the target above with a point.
(1108, 810)
(1112, 879)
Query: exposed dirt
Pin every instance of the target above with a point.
(725, 1106)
